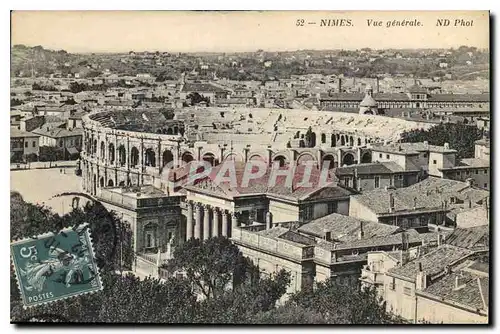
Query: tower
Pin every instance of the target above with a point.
(368, 106)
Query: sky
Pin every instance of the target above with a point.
(123, 31)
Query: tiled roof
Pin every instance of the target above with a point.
(472, 238)
(58, 132)
(427, 194)
(345, 228)
(280, 189)
(468, 292)
(388, 167)
(15, 133)
(433, 262)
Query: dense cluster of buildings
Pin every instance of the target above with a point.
(410, 219)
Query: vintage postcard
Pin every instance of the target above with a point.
(263, 167)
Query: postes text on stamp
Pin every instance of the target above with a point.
(53, 266)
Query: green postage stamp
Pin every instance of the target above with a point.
(53, 266)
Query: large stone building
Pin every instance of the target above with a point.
(415, 98)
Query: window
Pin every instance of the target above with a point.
(434, 162)
(477, 172)
(377, 181)
(26, 144)
(332, 207)
(387, 156)
(392, 285)
(407, 291)
(485, 171)
(34, 144)
(60, 143)
(380, 155)
(486, 185)
(308, 212)
(425, 155)
(467, 172)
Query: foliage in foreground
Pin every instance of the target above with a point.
(233, 290)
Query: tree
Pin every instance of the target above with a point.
(210, 265)
(343, 303)
(459, 136)
(15, 102)
(197, 98)
(289, 314)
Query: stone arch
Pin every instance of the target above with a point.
(305, 156)
(167, 157)
(134, 157)
(187, 157)
(101, 182)
(122, 155)
(351, 141)
(211, 158)
(150, 157)
(281, 159)
(111, 183)
(234, 157)
(342, 140)
(170, 131)
(331, 159)
(313, 139)
(348, 159)
(366, 157)
(323, 138)
(334, 140)
(256, 157)
(111, 153)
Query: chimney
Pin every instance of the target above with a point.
(391, 202)
(404, 240)
(458, 283)
(440, 239)
(421, 279)
(446, 146)
(328, 235)
(269, 220)
(361, 233)
(470, 182)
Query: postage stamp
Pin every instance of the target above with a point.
(52, 266)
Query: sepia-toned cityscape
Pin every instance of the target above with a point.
(312, 185)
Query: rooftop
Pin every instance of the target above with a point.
(472, 290)
(433, 262)
(470, 238)
(16, 133)
(345, 228)
(431, 193)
